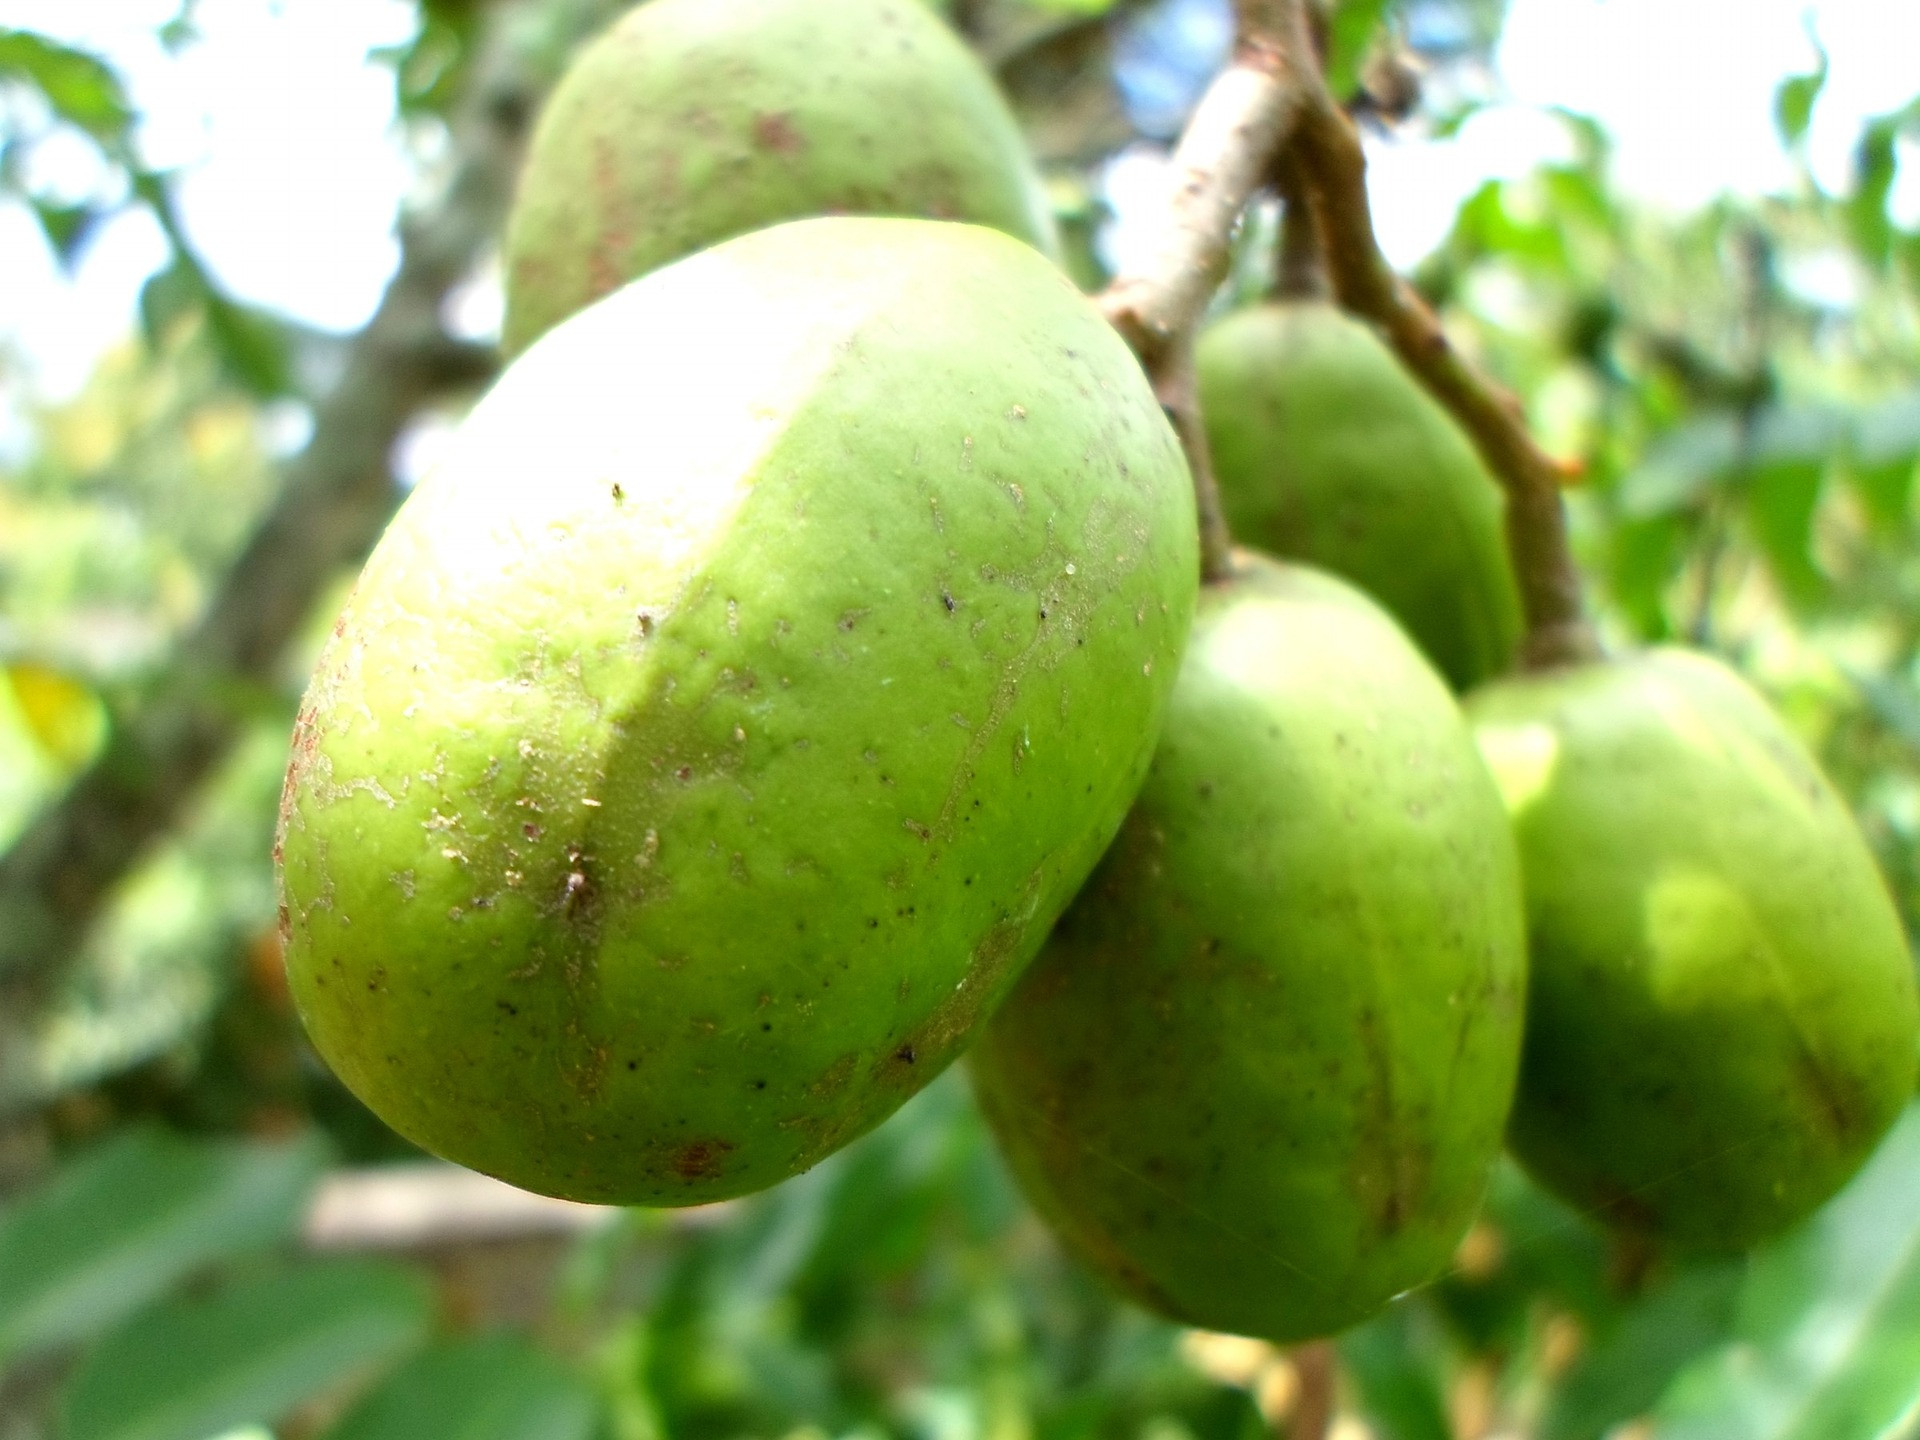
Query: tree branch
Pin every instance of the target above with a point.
(1328, 149)
(1221, 160)
(336, 496)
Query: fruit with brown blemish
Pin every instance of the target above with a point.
(692, 121)
(671, 827)
(1258, 1076)
(1722, 1021)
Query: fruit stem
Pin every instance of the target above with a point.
(1301, 273)
(1312, 1414)
(1271, 95)
(1221, 161)
(1329, 152)
(1179, 391)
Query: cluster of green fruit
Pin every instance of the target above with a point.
(801, 630)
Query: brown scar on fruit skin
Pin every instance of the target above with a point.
(937, 1038)
(606, 267)
(1842, 1112)
(701, 1159)
(775, 131)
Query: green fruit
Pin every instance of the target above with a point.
(1328, 451)
(692, 121)
(1722, 1020)
(1259, 1074)
(714, 737)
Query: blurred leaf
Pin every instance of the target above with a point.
(67, 228)
(1543, 1251)
(79, 87)
(1780, 507)
(492, 1388)
(1681, 468)
(1826, 1339)
(1645, 556)
(1623, 1374)
(123, 1223)
(1793, 101)
(1893, 703)
(1355, 23)
(1488, 225)
(1886, 449)
(246, 1355)
(65, 716)
(1875, 163)
(169, 296)
(1789, 454)
(253, 347)
(1401, 1381)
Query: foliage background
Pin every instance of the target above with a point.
(1746, 445)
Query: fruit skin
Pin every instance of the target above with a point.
(1328, 451)
(1722, 1020)
(692, 121)
(1258, 1076)
(714, 737)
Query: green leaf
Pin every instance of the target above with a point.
(169, 296)
(1885, 451)
(67, 228)
(252, 347)
(1893, 704)
(1400, 1376)
(1681, 468)
(1826, 1338)
(122, 1224)
(66, 718)
(246, 1355)
(1622, 1375)
(1487, 224)
(1789, 455)
(1793, 101)
(1355, 23)
(493, 1388)
(1866, 209)
(79, 88)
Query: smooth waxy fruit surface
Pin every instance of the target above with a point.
(692, 121)
(1328, 451)
(1722, 1015)
(713, 738)
(1259, 1074)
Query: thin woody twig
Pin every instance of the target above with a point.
(1301, 273)
(1329, 151)
(1221, 160)
(1312, 1414)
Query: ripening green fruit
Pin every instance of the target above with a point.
(1259, 1074)
(714, 737)
(692, 121)
(1328, 451)
(1722, 1019)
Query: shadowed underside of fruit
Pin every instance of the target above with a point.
(1258, 1076)
(693, 121)
(1722, 1020)
(714, 737)
(1328, 451)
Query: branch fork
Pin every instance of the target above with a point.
(1269, 114)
